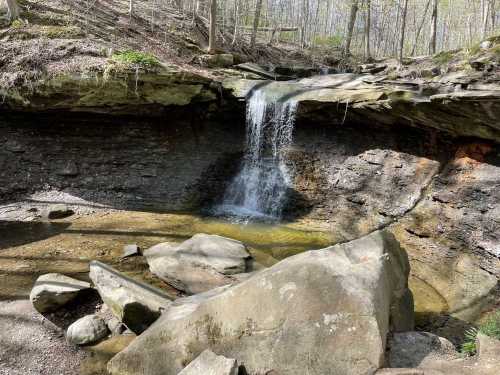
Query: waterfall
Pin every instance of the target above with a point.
(259, 189)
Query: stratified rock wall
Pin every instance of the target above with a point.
(170, 164)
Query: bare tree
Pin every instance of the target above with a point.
(256, 20)
(434, 16)
(350, 26)
(13, 8)
(403, 28)
(367, 29)
(131, 8)
(212, 37)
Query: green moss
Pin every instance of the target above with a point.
(136, 59)
(443, 57)
(17, 24)
(61, 32)
(474, 49)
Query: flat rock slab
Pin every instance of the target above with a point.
(53, 290)
(199, 264)
(135, 304)
(325, 309)
(209, 363)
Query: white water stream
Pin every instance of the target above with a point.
(259, 189)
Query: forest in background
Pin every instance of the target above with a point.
(364, 28)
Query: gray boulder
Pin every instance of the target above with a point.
(87, 330)
(53, 290)
(325, 309)
(199, 264)
(135, 304)
(209, 363)
(418, 349)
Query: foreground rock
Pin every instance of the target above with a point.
(199, 264)
(414, 349)
(326, 309)
(87, 330)
(53, 290)
(135, 304)
(421, 353)
(208, 363)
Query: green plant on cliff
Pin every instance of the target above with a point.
(135, 59)
(489, 327)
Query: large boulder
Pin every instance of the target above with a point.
(135, 304)
(199, 264)
(325, 309)
(87, 330)
(53, 290)
(209, 363)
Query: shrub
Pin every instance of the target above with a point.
(136, 59)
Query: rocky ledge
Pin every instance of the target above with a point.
(441, 104)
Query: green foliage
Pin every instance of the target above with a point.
(489, 327)
(136, 59)
(328, 41)
(474, 49)
(17, 24)
(443, 57)
(469, 346)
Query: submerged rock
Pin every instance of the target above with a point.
(325, 309)
(58, 211)
(209, 363)
(199, 264)
(87, 330)
(136, 304)
(53, 290)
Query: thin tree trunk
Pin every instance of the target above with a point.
(14, 10)
(485, 11)
(213, 24)
(350, 26)
(367, 30)
(434, 16)
(236, 17)
(419, 30)
(403, 27)
(256, 21)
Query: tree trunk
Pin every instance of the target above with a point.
(212, 37)
(350, 26)
(434, 16)
(403, 27)
(419, 30)
(367, 30)
(236, 16)
(256, 21)
(14, 10)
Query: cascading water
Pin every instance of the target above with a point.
(259, 189)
